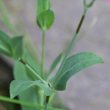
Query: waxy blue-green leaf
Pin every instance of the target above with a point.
(73, 65)
(31, 94)
(5, 44)
(19, 86)
(45, 19)
(56, 62)
(17, 46)
(31, 60)
(42, 5)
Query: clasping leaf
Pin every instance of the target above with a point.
(19, 86)
(73, 65)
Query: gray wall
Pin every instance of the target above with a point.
(88, 90)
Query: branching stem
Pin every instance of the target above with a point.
(72, 43)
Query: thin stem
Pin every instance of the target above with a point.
(72, 43)
(42, 65)
(41, 93)
(43, 53)
(27, 104)
(6, 99)
(70, 47)
(32, 70)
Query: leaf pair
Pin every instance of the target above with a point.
(12, 47)
(72, 65)
(31, 94)
(19, 86)
(28, 76)
(45, 16)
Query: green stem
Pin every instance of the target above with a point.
(71, 45)
(42, 65)
(41, 96)
(32, 70)
(6, 99)
(47, 102)
(27, 104)
(43, 53)
(41, 93)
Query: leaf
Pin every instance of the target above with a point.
(4, 50)
(73, 65)
(56, 62)
(45, 19)
(11, 47)
(34, 64)
(42, 5)
(5, 43)
(31, 95)
(17, 46)
(19, 86)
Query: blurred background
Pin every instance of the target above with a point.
(88, 90)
